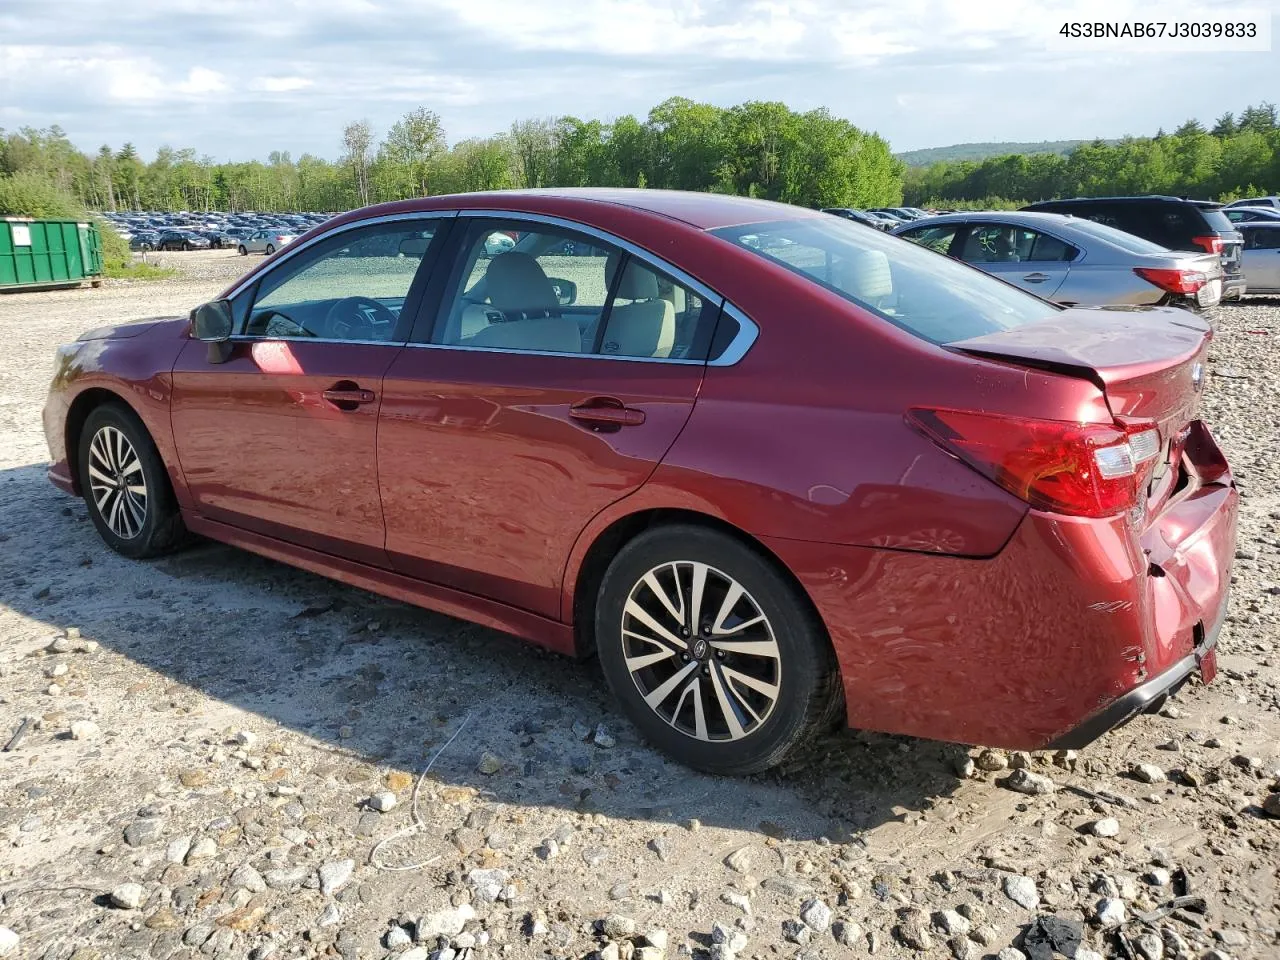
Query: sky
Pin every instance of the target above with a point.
(237, 79)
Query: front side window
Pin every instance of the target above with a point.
(933, 297)
(352, 286)
(544, 289)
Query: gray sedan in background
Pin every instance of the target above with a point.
(1071, 260)
(1261, 257)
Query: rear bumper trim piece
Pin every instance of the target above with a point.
(1141, 698)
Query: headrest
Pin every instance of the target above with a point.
(637, 283)
(515, 281)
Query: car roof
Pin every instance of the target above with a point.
(1026, 218)
(1258, 225)
(1149, 198)
(705, 211)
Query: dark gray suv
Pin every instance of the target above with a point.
(1178, 224)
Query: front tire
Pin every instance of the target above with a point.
(714, 655)
(243, 252)
(125, 484)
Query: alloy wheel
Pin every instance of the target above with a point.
(701, 652)
(117, 483)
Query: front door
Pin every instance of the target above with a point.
(556, 376)
(1261, 259)
(280, 436)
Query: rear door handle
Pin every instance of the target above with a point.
(606, 411)
(1036, 277)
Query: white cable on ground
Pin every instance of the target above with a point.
(417, 824)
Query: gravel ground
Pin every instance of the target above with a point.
(222, 753)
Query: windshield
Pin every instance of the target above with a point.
(925, 293)
(1118, 238)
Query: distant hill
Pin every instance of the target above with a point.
(980, 151)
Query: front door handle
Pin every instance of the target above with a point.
(606, 412)
(1036, 277)
(347, 395)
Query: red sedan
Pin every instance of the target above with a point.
(774, 467)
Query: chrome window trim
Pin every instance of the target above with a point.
(737, 347)
(248, 338)
(680, 361)
(286, 254)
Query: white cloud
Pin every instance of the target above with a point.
(202, 80)
(279, 84)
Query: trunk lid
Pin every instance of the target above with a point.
(1148, 361)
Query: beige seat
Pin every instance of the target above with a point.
(521, 292)
(645, 324)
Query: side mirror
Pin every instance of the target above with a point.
(566, 291)
(211, 323)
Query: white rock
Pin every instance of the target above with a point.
(246, 876)
(246, 738)
(739, 861)
(177, 849)
(656, 937)
(616, 926)
(489, 884)
(1111, 911)
(56, 670)
(816, 914)
(85, 730)
(8, 942)
(1013, 953)
(417, 953)
(1149, 773)
(444, 923)
(334, 876)
(128, 896)
(397, 937)
(1106, 827)
(53, 689)
(603, 738)
(1022, 891)
(383, 802)
(203, 849)
(331, 916)
(951, 923)
(739, 900)
(1084, 953)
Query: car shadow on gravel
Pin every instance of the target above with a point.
(388, 684)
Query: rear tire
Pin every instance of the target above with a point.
(270, 249)
(739, 689)
(125, 484)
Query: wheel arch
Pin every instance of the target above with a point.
(594, 556)
(78, 412)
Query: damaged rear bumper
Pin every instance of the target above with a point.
(1148, 697)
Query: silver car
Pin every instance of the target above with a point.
(266, 241)
(1261, 256)
(1071, 260)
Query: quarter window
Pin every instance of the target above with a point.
(352, 286)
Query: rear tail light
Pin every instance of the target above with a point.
(1209, 243)
(1173, 281)
(1079, 469)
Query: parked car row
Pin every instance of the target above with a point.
(1098, 251)
(245, 232)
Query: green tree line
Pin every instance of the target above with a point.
(1235, 157)
(755, 149)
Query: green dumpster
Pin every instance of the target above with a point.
(39, 254)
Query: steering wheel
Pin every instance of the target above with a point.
(346, 319)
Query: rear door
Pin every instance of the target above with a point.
(1030, 259)
(1262, 258)
(552, 379)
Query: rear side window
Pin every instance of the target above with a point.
(931, 296)
(1216, 219)
(1129, 242)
